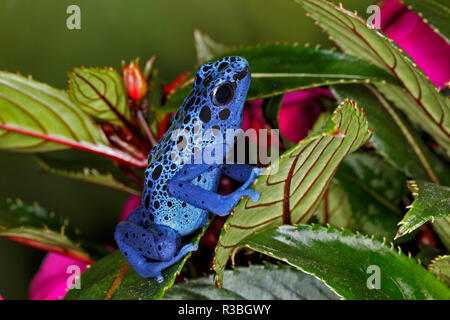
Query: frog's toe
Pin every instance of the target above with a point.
(253, 194)
(188, 248)
(257, 172)
(159, 278)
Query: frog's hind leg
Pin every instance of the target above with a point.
(160, 243)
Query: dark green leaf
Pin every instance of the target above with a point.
(292, 188)
(349, 263)
(100, 93)
(442, 228)
(93, 170)
(421, 100)
(394, 137)
(113, 278)
(374, 190)
(277, 69)
(436, 13)
(431, 202)
(271, 108)
(34, 226)
(256, 282)
(440, 267)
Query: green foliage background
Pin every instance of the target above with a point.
(34, 40)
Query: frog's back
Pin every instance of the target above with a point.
(197, 114)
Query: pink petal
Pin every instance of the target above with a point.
(132, 203)
(428, 50)
(1, 298)
(50, 282)
(299, 110)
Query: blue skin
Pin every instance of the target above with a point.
(177, 197)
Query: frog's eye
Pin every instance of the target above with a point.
(223, 94)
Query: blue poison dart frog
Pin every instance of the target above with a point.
(179, 191)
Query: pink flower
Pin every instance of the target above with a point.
(132, 203)
(299, 110)
(1, 298)
(50, 282)
(429, 50)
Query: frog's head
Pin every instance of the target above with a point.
(220, 90)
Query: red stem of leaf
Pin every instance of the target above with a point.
(37, 245)
(103, 150)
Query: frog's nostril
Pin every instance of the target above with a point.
(241, 74)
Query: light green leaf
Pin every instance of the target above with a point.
(440, 267)
(431, 202)
(423, 103)
(292, 188)
(436, 13)
(335, 209)
(113, 278)
(35, 117)
(32, 225)
(206, 47)
(100, 93)
(256, 282)
(277, 69)
(350, 264)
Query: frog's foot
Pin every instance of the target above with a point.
(138, 244)
(155, 268)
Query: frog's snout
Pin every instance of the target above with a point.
(241, 74)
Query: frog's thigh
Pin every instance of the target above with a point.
(155, 242)
(240, 172)
(163, 245)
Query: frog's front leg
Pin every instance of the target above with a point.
(156, 242)
(180, 187)
(241, 172)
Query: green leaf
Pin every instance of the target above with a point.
(256, 282)
(393, 136)
(434, 12)
(113, 278)
(89, 169)
(440, 267)
(34, 226)
(35, 117)
(292, 188)
(206, 47)
(271, 108)
(349, 263)
(425, 105)
(430, 202)
(374, 190)
(100, 93)
(335, 209)
(442, 228)
(277, 69)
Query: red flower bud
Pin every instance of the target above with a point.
(171, 87)
(134, 81)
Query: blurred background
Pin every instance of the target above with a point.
(34, 40)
